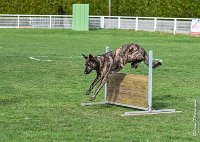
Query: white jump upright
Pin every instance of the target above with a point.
(150, 81)
(150, 108)
(106, 85)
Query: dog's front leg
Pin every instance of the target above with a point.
(104, 78)
(97, 79)
(103, 81)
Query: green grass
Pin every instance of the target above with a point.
(40, 100)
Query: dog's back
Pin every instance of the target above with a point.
(134, 54)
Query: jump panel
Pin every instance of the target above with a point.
(128, 89)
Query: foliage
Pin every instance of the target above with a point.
(147, 8)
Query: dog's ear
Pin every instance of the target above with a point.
(84, 56)
(91, 57)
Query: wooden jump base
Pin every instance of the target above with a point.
(133, 91)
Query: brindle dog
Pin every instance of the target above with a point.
(114, 61)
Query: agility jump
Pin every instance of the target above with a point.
(134, 91)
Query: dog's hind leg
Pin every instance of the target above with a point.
(155, 63)
(135, 64)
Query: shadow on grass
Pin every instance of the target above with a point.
(99, 106)
(159, 102)
(165, 101)
(8, 101)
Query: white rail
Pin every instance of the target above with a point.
(154, 24)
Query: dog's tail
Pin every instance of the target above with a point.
(146, 61)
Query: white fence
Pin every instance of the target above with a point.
(173, 25)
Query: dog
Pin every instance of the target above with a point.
(114, 61)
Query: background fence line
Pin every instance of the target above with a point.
(161, 24)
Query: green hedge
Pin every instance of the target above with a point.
(157, 8)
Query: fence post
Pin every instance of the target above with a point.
(136, 24)
(50, 21)
(175, 23)
(18, 21)
(119, 22)
(102, 22)
(155, 24)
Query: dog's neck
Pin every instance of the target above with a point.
(98, 62)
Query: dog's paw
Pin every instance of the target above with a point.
(88, 92)
(92, 98)
(136, 67)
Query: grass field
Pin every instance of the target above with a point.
(40, 100)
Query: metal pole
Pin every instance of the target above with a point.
(109, 7)
(150, 81)
(105, 94)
